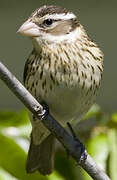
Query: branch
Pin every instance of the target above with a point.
(73, 146)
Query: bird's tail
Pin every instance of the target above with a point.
(41, 157)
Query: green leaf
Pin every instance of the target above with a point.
(13, 118)
(55, 176)
(94, 111)
(98, 148)
(5, 175)
(113, 154)
(85, 175)
(114, 117)
(64, 166)
(14, 132)
(13, 159)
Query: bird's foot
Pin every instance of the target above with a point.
(45, 110)
(44, 113)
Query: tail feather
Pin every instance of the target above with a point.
(41, 157)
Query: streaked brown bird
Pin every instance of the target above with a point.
(64, 71)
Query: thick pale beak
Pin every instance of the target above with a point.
(29, 29)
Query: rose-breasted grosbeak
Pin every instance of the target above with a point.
(63, 70)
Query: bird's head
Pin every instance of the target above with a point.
(52, 24)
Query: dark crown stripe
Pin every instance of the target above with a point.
(51, 10)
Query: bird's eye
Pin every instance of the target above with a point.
(48, 22)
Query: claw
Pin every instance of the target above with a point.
(72, 131)
(45, 111)
(44, 114)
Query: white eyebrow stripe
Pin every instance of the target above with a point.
(60, 16)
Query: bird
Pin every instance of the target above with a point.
(63, 71)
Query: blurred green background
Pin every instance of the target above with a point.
(99, 128)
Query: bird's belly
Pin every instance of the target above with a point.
(68, 104)
(69, 96)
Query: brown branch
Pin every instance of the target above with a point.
(72, 145)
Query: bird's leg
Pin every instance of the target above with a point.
(73, 134)
(44, 113)
(79, 145)
(72, 131)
